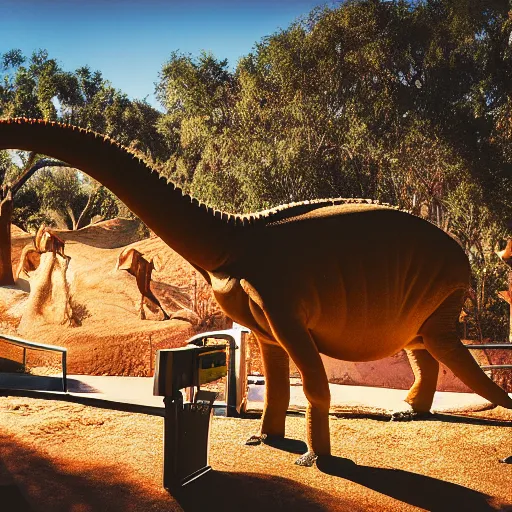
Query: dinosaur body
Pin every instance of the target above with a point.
(349, 279)
(370, 274)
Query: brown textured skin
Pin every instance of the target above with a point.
(352, 280)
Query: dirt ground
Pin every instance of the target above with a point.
(58, 456)
(106, 335)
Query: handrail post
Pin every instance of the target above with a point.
(38, 346)
(64, 372)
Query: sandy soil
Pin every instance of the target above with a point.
(107, 335)
(64, 457)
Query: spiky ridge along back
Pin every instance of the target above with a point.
(260, 218)
(286, 211)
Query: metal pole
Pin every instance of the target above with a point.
(64, 372)
(232, 378)
(24, 359)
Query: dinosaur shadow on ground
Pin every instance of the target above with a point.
(256, 492)
(469, 420)
(418, 490)
(444, 417)
(30, 480)
(287, 444)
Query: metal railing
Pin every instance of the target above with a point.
(505, 346)
(13, 340)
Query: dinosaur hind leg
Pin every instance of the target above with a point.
(441, 340)
(426, 370)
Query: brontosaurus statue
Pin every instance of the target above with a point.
(347, 278)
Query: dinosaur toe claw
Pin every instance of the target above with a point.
(307, 460)
(256, 440)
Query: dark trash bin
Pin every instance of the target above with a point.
(186, 439)
(186, 425)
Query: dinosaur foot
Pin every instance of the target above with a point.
(307, 460)
(256, 440)
(409, 415)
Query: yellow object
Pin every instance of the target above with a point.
(212, 366)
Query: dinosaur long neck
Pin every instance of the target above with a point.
(201, 236)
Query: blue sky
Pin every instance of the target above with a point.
(129, 40)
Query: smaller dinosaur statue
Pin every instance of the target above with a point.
(135, 264)
(45, 241)
(29, 260)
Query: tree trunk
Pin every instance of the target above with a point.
(6, 208)
(87, 208)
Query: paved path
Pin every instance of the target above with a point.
(138, 391)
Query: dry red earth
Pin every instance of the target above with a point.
(106, 335)
(64, 457)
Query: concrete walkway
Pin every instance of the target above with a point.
(138, 391)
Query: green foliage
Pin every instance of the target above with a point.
(405, 102)
(37, 87)
(196, 94)
(6, 166)
(479, 233)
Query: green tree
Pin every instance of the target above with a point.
(38, 87)
(405, 102)
(197, 97)
(8, 192)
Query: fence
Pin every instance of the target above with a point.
(506, 346)
(13, 340)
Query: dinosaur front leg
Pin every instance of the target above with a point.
(298, 342)
(276, 364)
(421, 394)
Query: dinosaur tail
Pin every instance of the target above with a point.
(458, 359)
(441, 340)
